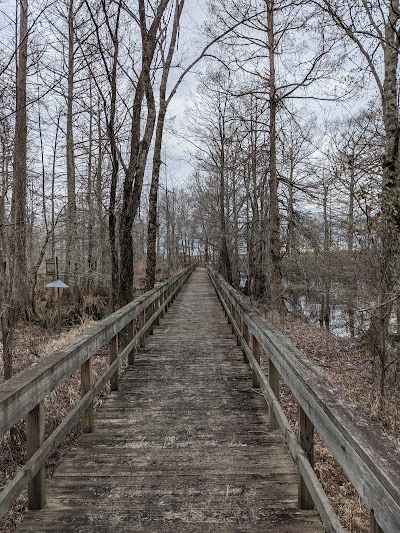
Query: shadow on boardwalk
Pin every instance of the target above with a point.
(183, 445)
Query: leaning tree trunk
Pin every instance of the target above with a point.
(151, 259)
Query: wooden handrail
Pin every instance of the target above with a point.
(23, 395)
(368, 458)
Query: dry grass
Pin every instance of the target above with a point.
(31, 344)
(344, 364)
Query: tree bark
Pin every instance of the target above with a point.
(151, 259)
(139, 150)
(275, 275)
(70, 254)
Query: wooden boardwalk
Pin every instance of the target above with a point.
(184, 445)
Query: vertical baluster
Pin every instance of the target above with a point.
(156, 308)
(34, 439)
(273, 378)
(113, 357)
(256, 353)
(245, 332)
(162, 300)
(374, 527)
(150, 312)
(86, 385)
(306, 440)
(131, 333)
(239, 327)
(142, 322)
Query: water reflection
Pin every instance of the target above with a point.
(344, 320)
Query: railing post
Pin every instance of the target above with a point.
(273, 379)
(130, 328)
(86, 385)
(245, 332)
(34, 439)
(142, 322)
(156, 308)
(150, 312)
(239, 326)
(167, 295)
(374, 527)
(232, 309)
(256, 353)
(162, 300)
(306, 440)
(113, 357)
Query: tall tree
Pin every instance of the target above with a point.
(372, 27)
(17, 281)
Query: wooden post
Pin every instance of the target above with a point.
(256, 353)
(34, 439)
(86, 385)
(142, 322)
(273, 379)
(168, 294)
(239, 325)
(232, 309)
(306, 440)
(162, 300)
(245, 331)
(150, 312)
(156, 308)
(131, 333)
(113, 357)
(374, 527)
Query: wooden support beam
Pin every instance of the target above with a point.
(374, 527)
(239, 325)
(246, 336)
(113, 357)
(306, 441)
(256, 353)
(149, 314)
(142, 322)
(34, 439)
(130, 328)
(86, 385)
(156, 308)
(273, 379)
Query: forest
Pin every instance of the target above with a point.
(260, 137)
(285, 115)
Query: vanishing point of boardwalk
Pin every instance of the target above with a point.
(184, 445)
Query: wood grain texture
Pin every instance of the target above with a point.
(184, 445)
(35, 426)
(368, 458)
(24, 391)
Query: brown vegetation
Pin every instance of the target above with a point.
(343, 362)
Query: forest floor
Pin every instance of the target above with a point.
(344, 363)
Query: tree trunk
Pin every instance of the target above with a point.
(70, 254)
(19, 274)
(387, 271)
(151, 260)
(275, 275)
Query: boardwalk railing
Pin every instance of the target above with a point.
(368, 458)
(23, 395)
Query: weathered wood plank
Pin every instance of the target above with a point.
(35, 426)
(191, 448)
(368, 458)
(86, 385)
(23, 392)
